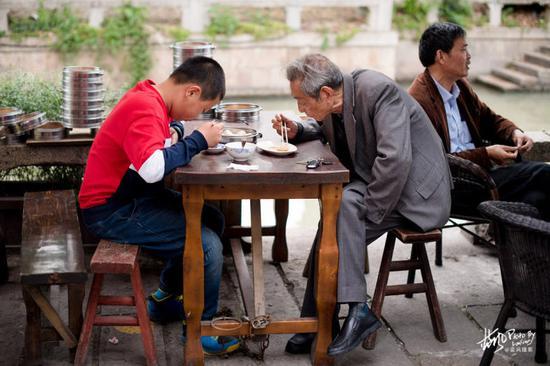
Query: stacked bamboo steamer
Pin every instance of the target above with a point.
(83, 97)
(16, 126)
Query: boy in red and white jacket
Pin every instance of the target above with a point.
(123, 198)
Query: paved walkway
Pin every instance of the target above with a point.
(468, 286)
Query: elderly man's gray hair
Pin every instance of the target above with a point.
(314, 71)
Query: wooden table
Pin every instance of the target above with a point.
(207, 178)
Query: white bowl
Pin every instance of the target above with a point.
(240, 152)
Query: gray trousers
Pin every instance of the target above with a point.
(354, 232)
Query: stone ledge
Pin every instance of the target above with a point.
(541, 150)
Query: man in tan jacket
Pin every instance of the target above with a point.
(468, 127)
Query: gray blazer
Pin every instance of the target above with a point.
(394, 149)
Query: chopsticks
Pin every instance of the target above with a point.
(284, 135)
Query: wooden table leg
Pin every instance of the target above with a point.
(32, 352)
(257, 258)
(279, 250)
(326, 267)
(193, 274)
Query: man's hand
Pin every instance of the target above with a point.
(291, 126)
(523, 142)
(212, 132)
(502, 154)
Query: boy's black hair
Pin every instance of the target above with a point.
(204, 71)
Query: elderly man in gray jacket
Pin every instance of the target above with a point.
(399, 174)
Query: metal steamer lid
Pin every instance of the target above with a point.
(9, 115)
(238, 107)
(29, 122)
(194, 45)
(82, 71)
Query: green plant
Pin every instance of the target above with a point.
(345, 35)
(411, 15)
(178, 34)
(125, 31)
(222, 22)
(262, 26)
(2, 34)
(456, 11)
(325, 40)
(508, 19)
(31, 94)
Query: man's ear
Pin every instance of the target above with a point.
(193, 91)
(439, 56)
(326, 91)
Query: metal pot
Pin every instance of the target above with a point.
(239, 112)
(51, 131)
(241, 134)
(208, 115)
(184, 50)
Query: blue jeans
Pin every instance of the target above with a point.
(157, 224)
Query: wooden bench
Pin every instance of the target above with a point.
(114, 258)
(51, 254)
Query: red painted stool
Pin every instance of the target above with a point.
(113, 258)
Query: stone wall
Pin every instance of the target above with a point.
(251, 67)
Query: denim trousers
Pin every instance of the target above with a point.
(157, 224)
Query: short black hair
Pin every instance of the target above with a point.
(204, 71)
(438, 36)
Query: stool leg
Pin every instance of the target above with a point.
(89, 320)
(33, 329)
(412, 272)
(439, 251)
(144, 324)
(431, 295)
(381, 283)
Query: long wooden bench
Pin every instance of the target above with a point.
(51, 254)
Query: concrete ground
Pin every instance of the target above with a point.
(468, 285)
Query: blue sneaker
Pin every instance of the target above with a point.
(219, 345)
(163, 307)
(215, 345)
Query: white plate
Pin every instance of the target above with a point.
(272, 148)
(219, 148)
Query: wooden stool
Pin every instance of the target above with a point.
(419, 260)
(114, 258)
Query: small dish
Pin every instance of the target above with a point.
(219, 148)
(240, 152)
(275, 149)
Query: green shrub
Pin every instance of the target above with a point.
(456, 11)
(411, 15)
(222, 22)
(31, 94)
(345, 35)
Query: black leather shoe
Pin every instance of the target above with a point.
(300, 343)
(359, 324)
